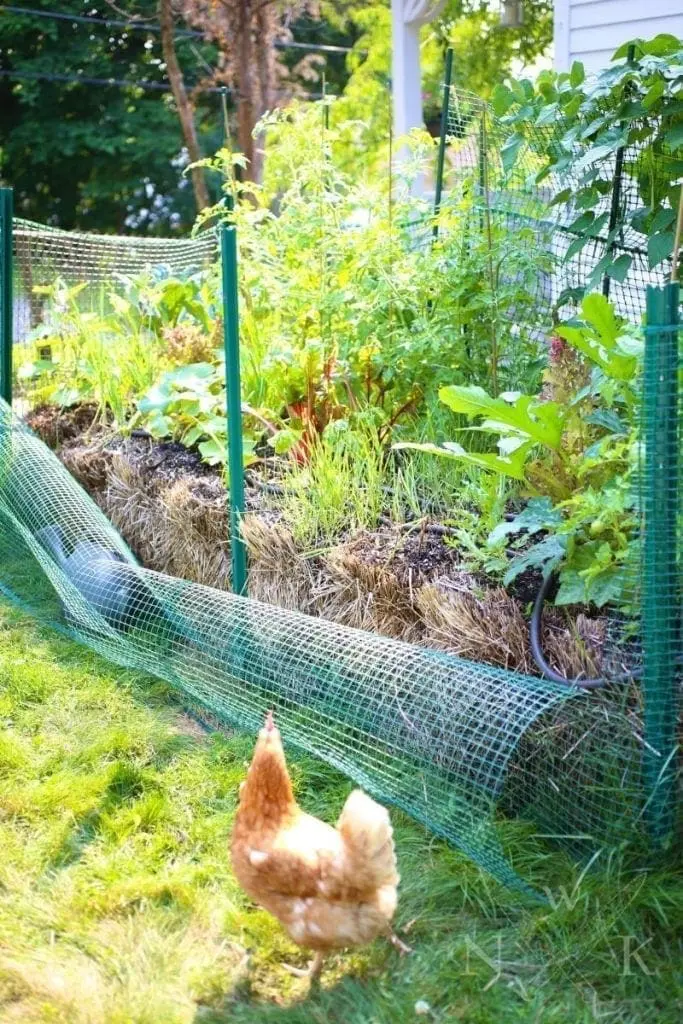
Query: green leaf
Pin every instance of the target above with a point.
(599, 313)
(501, 100)
(662, 45)
(539, 421)
(576, 246)
(562, 197)
(537, 515)
(620, 268)
(510, 151)
(596, 154)
(156, 400)
(572, 588)
(659, 246)
(613, 364)
(213, 453)
(572, 107)
(511, 465)
(29, 371)
(609, 420)
(582, 223)
(599, 339)
(655, 91)
(631, 345)
(187, 376)
(545, 555)
(66, 396)
(623, 50)
(284, 440)
(663, 219)
(674, 137)
(606, 586)
(159, 425)
(577, 74)
(191, 436)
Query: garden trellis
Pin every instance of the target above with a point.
(449, 741)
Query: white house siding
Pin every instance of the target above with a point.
(591, 30)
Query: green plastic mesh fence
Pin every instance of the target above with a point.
(44, 255)
(454, 744)
(661, 557)
(507, 196)
(446, 740)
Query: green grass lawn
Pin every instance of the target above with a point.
(118, 905)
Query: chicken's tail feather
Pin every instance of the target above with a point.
(368, 838)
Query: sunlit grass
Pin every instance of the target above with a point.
(341, 488)
(118, 905)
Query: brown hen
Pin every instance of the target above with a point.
(329, 887)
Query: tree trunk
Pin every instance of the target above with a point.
(267, 75)
(245, 82)
(185, 112)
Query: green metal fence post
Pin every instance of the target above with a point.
(233, 391)
(660, 580)
(6, 306)
(438, 193)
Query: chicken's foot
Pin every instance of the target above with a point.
(397, 944)
(312, 971)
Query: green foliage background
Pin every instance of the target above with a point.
(101, 158)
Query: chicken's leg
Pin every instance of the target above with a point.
(312, 971)
(397, 944)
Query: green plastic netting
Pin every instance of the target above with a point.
(661, 560)
(454, 744)
(503, 167)
(444, 739)
(43, 255)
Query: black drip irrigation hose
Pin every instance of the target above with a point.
(539, 656)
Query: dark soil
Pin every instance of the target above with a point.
(56, 426)
(164, 461)
(526, 586)
(416, 557)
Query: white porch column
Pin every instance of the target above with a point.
(408, 16)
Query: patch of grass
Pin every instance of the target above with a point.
(340, 489)
(118, 905)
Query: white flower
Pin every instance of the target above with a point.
(422, 1009)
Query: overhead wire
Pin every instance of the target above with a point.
(150, 27)
(122, 83)
(138, 26)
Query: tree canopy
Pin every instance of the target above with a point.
(90, 134)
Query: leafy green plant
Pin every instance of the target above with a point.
(590, 538)
(574, 456)
(84, 355)
(347, 304)
(523, 423)
(340, 489)
(188, 405)
(576, 127)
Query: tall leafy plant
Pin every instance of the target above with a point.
(571, 450)
(626, 124)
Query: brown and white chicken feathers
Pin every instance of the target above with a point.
(329, 887)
